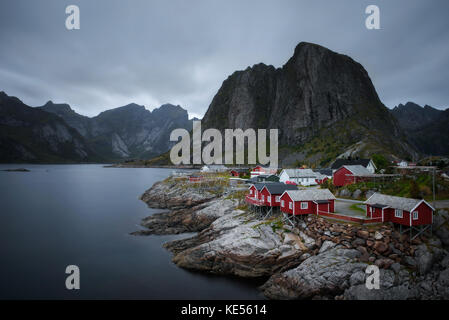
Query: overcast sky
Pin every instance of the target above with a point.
(153, 52)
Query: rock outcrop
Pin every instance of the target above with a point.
(236, 244)
(327, 273)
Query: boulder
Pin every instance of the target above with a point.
(327, 245)
(378, 235)
(380, 247)
(424, 259)
(357, 193)
(364, 234)
(327, 273)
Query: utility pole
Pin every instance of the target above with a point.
(433, 182)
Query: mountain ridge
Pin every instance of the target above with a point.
(426, 127)
(129, 131)
(28, 134)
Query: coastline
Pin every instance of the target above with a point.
(315, 259)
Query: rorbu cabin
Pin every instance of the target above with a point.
(195, 178)
(271, 193)
(254, 196)
(258, 170)
(403, 211)
(238, 172)
(350, 174)
(309, 201)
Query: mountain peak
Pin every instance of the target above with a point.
(134, 105)
(316, 94)
(171, 110)
(56, 107)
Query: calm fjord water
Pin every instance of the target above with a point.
(58, 215)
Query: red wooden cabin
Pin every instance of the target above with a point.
(271, 193)
(350, 174)
(257, 170)
(404, 211)
(254, 196)
(238, 172)
(309, 201)
(194, 178)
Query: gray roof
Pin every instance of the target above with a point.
(358, 170)
(259, 186)
(310, 194)
(349, 162)
(279, 188)
(324, 171)
(394, 202)
(301, 173)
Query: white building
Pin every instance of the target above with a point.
(214, 168)
(305, 177)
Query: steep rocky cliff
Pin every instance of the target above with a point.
(323, 103)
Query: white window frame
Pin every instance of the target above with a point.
(282, 203)
(277, 199)
(417, 215)
(263, 198)
(304, 205)
(290, 206)
(398, 213)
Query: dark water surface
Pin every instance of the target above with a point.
(59, 215)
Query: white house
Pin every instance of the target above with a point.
(214, 168)
(305, 177)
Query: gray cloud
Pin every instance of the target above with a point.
(152, 52)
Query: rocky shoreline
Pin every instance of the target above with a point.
(316, 259)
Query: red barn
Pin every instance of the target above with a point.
(349, 174)
(271, 193)
(403, 211)
(309, 201)
(194, 178)
(238, 172)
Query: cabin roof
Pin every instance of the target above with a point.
(279, 188)
(358, 170)
(349, 162)
(310, 194)
(406, 204)
(301, 173)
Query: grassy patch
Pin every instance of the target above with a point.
(356, 207)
